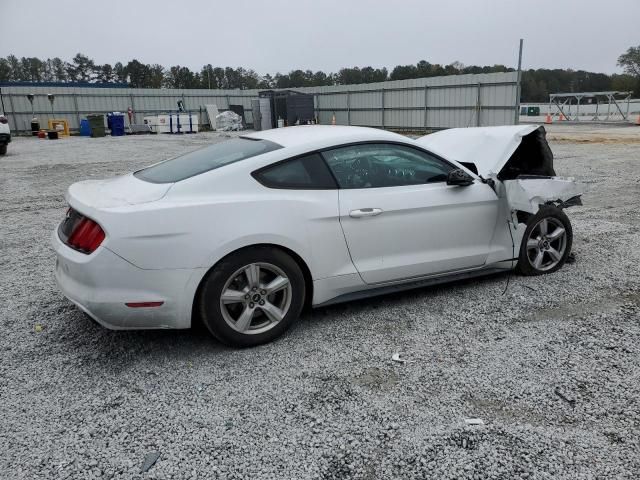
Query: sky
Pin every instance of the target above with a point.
(282, 35)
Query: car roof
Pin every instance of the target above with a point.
(325, 134)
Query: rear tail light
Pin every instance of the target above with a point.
(80, 233)
(3, 119)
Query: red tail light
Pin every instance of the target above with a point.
(81, 233)
(3, 119)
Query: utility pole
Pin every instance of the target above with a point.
(518, 88)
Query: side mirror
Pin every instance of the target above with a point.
(459, 177)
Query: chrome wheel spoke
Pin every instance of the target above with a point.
(556, 234)
(532, 244)
(543, 226)
(253, 275)
(272, 312)
(554, 254)
(537, 262)
(232, 296)
(244, 321)
(276, 284)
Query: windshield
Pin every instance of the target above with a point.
(205, 159)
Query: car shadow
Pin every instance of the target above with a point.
(396, 299)
(95, 345)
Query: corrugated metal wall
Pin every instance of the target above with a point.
(416, 104)
(422, 103)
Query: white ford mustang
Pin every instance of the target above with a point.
(244, 233)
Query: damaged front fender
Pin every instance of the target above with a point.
(526, 194)
(515, 160)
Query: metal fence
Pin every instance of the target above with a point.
(416, 104)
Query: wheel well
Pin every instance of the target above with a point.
(523, 217)
(306, 273)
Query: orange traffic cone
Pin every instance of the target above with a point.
(333, 119)
(548, 120)
(561, 117)
(638, 120)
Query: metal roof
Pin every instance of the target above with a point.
(64, 84)
(324, 134)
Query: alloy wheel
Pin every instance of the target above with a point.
(256, 298)
(546, 244)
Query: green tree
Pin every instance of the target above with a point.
(32, 69)
(81, 69)
(206, 75)
(5, 70)
(155, 75)
(137, 74)
(16, 68)
(630, 61)
(403, 72)
(624, 82)
(266, 82)
(105, 73)
(60, 70)
(321, 79)
(181, 77)
(231, 78)
(120, 73)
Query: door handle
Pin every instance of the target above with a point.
(365, 212)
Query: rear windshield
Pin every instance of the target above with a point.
(205, 159)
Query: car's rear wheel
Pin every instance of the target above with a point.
(546, 243)
(3, 149)
(252, 296)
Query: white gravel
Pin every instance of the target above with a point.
(552, 367)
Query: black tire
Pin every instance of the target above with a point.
(556, 218)
(209, 301)
(3, 149)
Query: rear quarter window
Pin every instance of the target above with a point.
(205, 159)
(308, 172)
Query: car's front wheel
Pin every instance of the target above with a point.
(252, 296)
(546, 243)
(3, 149)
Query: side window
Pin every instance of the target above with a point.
(384, 165)
(303, 173)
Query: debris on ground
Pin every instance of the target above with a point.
(397, 358)
(474, 421)
(149, 461)
(228, 121)
(570, 401)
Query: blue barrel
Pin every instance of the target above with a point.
(116, 124)
(85, 129)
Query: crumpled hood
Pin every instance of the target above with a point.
(115, 192)
(489, 148)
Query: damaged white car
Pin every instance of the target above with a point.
(244, 233)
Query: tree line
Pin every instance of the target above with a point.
(536, 84)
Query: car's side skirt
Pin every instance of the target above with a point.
(424, 282)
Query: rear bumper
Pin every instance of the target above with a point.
(102, 283)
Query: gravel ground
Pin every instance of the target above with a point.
(551, 367)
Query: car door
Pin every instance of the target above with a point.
(400, 218)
